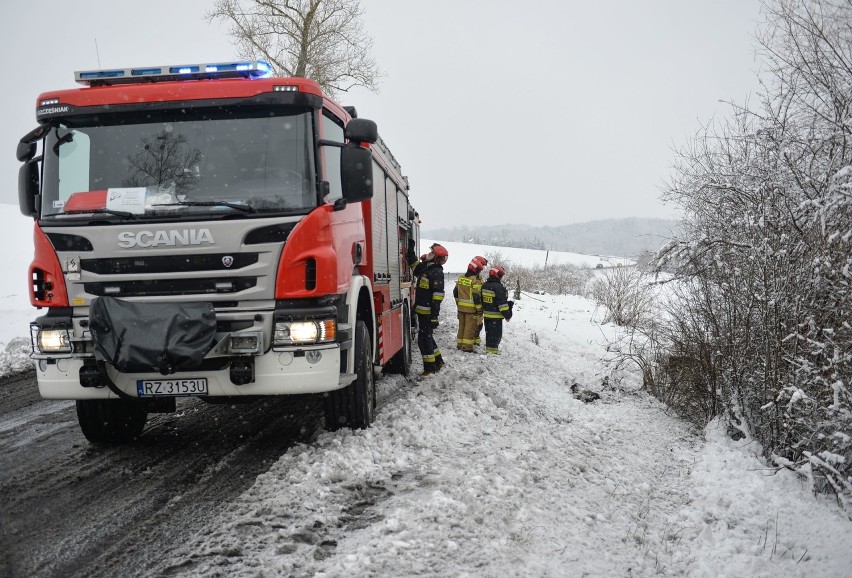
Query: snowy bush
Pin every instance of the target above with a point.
(765, 250)
(625, 293)
(555, 279)
(16, 356)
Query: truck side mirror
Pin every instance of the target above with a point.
(28, 188)
(356, 168)
(361, 130)
(26, 151)
(27, 145)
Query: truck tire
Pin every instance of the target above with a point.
(401, 362)
(354, 405)
(111, 421)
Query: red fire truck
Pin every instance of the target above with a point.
(208, 230)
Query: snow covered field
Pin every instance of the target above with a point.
(492, 468)
(462, 253)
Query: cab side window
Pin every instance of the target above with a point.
(332, 129)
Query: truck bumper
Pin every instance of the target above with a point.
(275, 373)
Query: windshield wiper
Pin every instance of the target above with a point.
(125, 214)
(235, 206)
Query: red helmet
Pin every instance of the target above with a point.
(475, 265)
(497, 272)
(440, 254)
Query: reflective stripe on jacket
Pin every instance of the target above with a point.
(495, 300)
(430, 291)
(468, 294)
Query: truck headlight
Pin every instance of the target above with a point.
(305, 332)
(53, 341)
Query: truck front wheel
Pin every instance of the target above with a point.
(353, 406)
(111, 421)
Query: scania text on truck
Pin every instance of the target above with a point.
(208, 230)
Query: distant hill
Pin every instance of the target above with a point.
(623, 237)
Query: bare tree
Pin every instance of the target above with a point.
(323, 40)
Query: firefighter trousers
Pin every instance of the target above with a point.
(466, 336)
(493, 335)
(432, 360)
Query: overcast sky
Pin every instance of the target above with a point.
(541, 113)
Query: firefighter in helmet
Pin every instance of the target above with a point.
(496, 307)
(416, 266)
(427, 305)
(476, 340)
(468, 296)
(479, 321)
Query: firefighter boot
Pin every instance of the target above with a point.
(428, 368)
(439, 363)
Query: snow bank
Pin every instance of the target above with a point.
(493, 468)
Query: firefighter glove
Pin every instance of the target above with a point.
(411, 255)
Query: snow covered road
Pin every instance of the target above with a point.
(492, 468)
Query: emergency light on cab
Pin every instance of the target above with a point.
(241, 69)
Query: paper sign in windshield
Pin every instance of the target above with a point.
(130, 199)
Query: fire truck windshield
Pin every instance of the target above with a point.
(189, 163)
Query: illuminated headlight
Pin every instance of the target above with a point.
(53, 341)
(305, 332)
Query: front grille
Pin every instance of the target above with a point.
(155, 287)
(169, 264)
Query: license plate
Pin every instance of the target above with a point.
(171, 387)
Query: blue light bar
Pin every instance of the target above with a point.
(98, 74)
(238, 69)
(145, 71)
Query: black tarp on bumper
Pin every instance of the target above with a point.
(142, 337)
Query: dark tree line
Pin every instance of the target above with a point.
(505, 241)
(623, 237)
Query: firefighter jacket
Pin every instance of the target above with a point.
(430, 290)
(419, 267)
(468, 293)
(495, 300)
